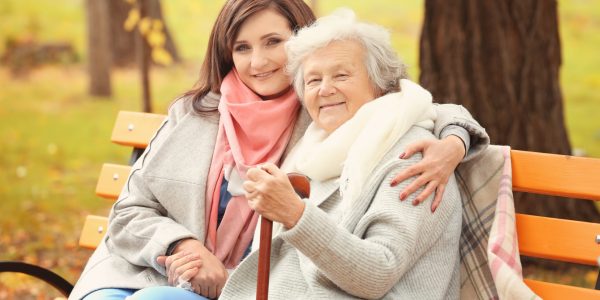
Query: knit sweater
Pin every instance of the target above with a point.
(382, 248)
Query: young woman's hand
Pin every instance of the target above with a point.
(440, 158)
(270, 193)
(192, 262)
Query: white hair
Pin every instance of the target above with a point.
(384, 67)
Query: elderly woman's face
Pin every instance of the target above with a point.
(259, 53)
(336, 83)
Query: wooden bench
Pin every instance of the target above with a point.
(533, 172)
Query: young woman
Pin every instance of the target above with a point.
(182, 217)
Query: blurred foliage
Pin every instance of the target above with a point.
(54, 137)
(152, 31)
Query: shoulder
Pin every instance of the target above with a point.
(414, 134)
(183, 106)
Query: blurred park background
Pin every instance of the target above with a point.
(55, 136)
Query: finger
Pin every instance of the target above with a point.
(439, 193)
(272, 169)
(413, 186)
(249, 186)
(204, 291)
(425, 193)
(162, 260)
(407, 173)
(177, 263)
(256, 174)
(189, 274)
(196, 262)
(414, 148)
(212, 292)
(219, 289)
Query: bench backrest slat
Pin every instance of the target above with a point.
(93, 231)
(111, 180)
(553, 174)
(547, 290)
(135, 129)
(558, 239)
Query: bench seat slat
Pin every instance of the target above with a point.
(135, 129)
(553, 174)
(548, 290)
(558, 239)
(111, 180)
(93, 231)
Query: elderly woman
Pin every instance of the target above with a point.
(352, 238)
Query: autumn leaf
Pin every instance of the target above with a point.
(144, 25)
(161, 56)
(156, 38)
(132, 19)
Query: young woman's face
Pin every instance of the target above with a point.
(259, 53)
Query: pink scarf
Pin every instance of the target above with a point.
(251, 132)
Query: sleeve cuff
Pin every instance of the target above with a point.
(459, 132)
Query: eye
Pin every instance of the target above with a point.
(273, 41)
(341, 76)
(312, 81)
(241, 48)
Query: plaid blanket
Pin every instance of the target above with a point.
(490, 262)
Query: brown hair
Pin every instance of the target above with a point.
(218, 60)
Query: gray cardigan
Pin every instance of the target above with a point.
(382, 248)
(163, 199)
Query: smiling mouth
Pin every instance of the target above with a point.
(265, 74)
(330, 105)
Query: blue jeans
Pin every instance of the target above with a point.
(151, 293)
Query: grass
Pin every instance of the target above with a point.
(55, 137)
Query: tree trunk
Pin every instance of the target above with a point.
(143, 59)
(123, 42)
(99, 56)
(501, 60)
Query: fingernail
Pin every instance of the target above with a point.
(402, 155)
(393, 183)
(415, 203)
(402, 196)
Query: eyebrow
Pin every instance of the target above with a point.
(337, 65)
(268, 35)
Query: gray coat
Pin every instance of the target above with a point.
(163, 199)
(382, 247)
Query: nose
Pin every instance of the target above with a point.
(326, 88)
(258, 60)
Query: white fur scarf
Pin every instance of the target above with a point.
(353, 150)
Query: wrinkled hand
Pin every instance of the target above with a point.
(440, 158)
(270, 193)
(192, 262)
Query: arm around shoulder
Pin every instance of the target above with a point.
(451, 118)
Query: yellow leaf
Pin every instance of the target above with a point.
(144, 25)
(161, 56)
(157, 24)
(156, 38)
(132, 19)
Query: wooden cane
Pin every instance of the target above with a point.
(301, 185)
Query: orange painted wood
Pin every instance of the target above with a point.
(93, 231)
(559, 175)
(550, 291)
(135, 129)
(558, 239)
(111, 180)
